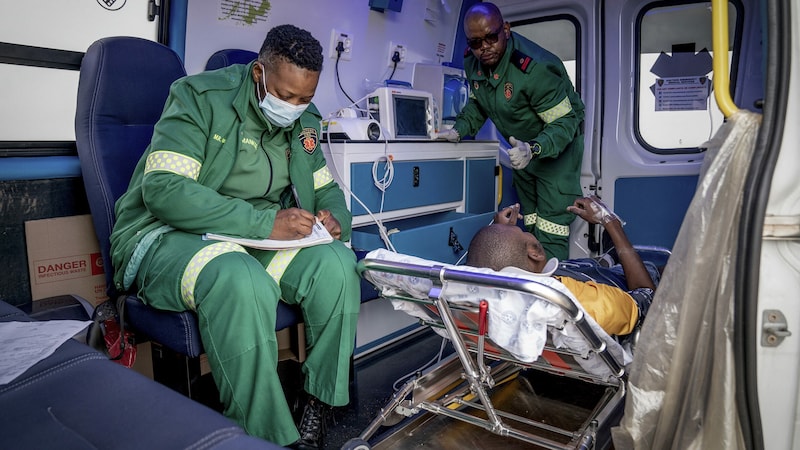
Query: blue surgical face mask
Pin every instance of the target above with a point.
(281, 113)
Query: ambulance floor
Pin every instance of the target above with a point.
(550, 399)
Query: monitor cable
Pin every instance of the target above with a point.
(395, 60)
(339, 50)
(384, 235)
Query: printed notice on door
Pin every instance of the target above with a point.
(682, 93)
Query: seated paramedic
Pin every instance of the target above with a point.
(503, 246)
(236, 151)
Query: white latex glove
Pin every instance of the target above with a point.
(519, 153)
(503, 158)
(449, 135)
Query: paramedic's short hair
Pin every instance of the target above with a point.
(496, 248)
(291, 44)
(483, 9)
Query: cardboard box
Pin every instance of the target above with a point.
(64, 258)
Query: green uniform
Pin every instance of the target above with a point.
(529, 96)
(216, 164)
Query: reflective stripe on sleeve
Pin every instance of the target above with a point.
(277, 267)
(556, 112)
(552, 227)
(529, 219)
(166, 161)
(322, 177)
(198, 262)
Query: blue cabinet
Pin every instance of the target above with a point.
(432, 197)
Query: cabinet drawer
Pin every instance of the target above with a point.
(442, 237)
(415, 184)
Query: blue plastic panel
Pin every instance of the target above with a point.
(437, 182)
(654, 207)
(426, 237)
(39, 168)
(480, 188)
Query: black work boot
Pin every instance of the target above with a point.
(312, 425)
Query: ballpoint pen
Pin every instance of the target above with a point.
(297, 202)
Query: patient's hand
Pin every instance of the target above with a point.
(508, 215)
(593, 210)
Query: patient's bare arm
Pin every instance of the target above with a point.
(594, 211)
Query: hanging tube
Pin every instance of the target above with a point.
(722, 91)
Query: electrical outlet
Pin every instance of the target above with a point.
(401, 51)
(347, 42)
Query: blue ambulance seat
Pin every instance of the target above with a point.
(123, 85)
(228, 56)
(76, 398)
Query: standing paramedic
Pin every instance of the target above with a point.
(527, 93)
(225, 154)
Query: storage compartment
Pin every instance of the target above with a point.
(414, 184)
(480, 190)
(442, 237)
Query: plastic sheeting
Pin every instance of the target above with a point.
(681, 389)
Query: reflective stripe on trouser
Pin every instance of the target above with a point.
(545, 225)
(550, 233)
(545, 191)
(236, 301)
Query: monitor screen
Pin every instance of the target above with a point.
(410, 116)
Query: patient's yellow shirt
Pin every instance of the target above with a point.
(612, 308)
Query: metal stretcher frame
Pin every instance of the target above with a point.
(478, 377)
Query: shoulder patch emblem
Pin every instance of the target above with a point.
(308, 137)
(508, 90)
(521, 60)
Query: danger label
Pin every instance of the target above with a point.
(66, 268)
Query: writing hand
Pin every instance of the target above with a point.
(292, 223)
(331, 224)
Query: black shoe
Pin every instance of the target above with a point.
(312, 425)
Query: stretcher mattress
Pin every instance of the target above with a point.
(518, 322)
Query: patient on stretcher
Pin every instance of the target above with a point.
(519, 322)
(617, 304)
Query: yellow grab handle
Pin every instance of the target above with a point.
(719, 30)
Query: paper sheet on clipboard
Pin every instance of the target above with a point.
(319, 235)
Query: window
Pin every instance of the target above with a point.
(676, 111)
(558, 35)
(41, 46)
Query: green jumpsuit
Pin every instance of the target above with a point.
(216, 164)
(530, 96)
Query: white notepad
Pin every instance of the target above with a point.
(319, 235)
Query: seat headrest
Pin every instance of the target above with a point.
(229, 56)
(122, 87)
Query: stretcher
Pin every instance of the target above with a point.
(502, 326)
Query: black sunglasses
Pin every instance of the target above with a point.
(491, 39)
